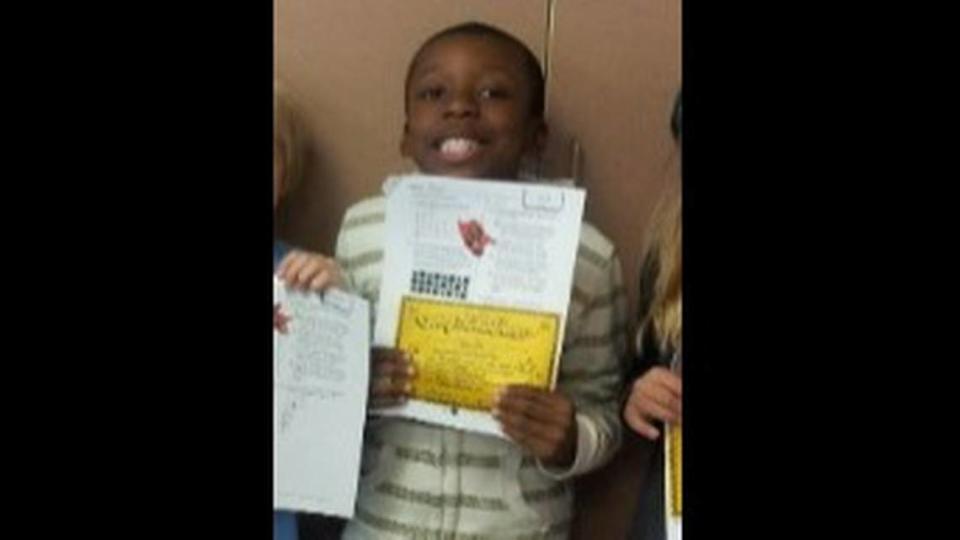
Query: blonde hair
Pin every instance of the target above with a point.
(664, 246)
(289, 137)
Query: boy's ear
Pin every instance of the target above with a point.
(405, 141)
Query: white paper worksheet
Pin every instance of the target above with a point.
(321, 369)
(476, 284)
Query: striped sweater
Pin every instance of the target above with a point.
(427, 481)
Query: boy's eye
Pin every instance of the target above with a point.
(430, 93)
(493, 93)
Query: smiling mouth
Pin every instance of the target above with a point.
(458, 149)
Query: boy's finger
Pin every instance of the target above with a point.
(528, 434)
(390, 388)
(392, 362)
(523, 440)
(531, 405)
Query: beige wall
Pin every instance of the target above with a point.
(613, 67)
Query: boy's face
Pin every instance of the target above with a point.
(468, 110)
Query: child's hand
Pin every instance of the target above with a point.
(541, 422)
(309, 271)
(654, 396)
(391, 374)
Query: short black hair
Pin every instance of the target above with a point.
(531, 64)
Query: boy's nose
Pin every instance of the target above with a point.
(462, 104)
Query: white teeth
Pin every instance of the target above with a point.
(458, 148)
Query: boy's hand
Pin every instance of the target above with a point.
(391, 374)
(541, 422)
(654, 396)
(309, 271)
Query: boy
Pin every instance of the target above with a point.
(474, 109)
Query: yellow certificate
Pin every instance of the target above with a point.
(463, 352)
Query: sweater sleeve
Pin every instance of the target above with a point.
(592, 362)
